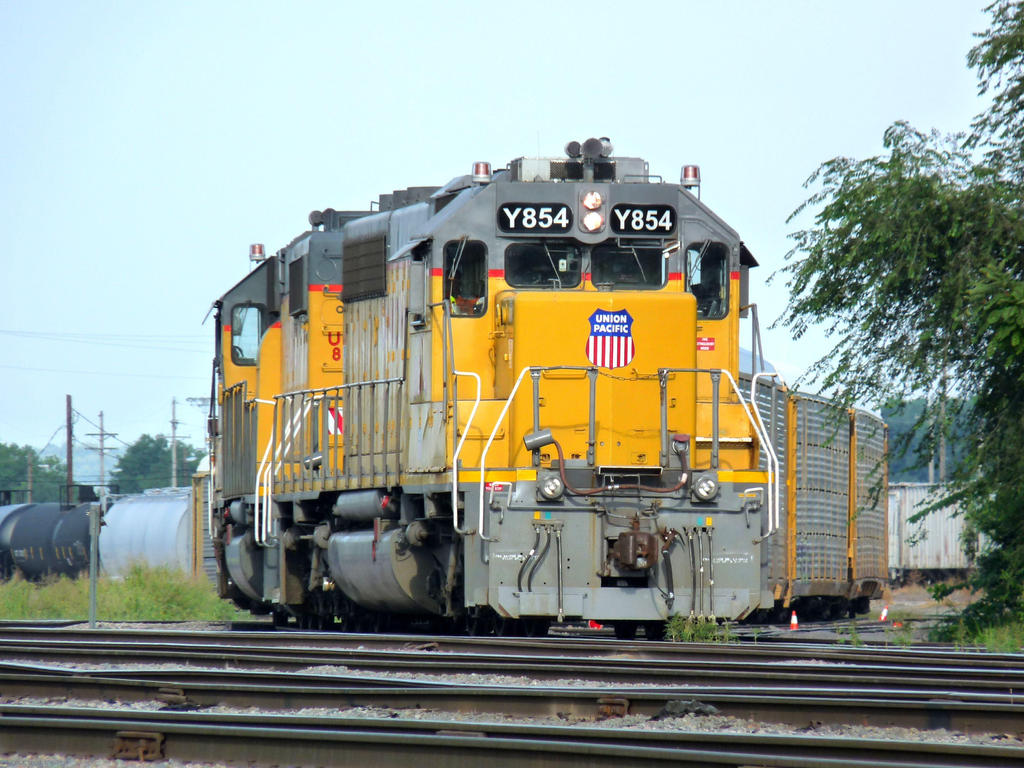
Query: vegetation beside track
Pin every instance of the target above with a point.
(145, 594)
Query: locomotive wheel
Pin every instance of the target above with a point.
(625, 630)
(505, 627)
(654, 630)
(536, 627)
(481, 623)
(281, 618)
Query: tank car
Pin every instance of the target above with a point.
(41, 539)
(516, 399)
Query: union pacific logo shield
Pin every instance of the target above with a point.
(610, 344)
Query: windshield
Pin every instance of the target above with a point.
(544, 264)
(622, 265)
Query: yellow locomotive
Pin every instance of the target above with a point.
(517, 399)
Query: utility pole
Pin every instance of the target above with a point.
(102, 435)
(174, 444)
(71, 472)
(31, 461)
(96, 514)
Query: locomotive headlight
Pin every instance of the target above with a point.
(705, 486)
(593, 221)
(592, 200)
(551, 487)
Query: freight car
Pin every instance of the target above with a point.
(42, 539)
(516, 399)
(938, 546)
(159, 527)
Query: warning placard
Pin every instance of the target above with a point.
(705, 344)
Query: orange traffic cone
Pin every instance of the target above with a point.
(885, 614)
(793, 623)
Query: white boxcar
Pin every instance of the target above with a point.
(933, 546)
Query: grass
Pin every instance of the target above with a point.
(1008, 638)
(1001, 638)
(144, 594)
(687, 629)
(849, 635)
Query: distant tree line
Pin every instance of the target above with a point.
(145, 464)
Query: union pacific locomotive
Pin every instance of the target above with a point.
(518, 399)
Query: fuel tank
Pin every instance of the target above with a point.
(383, 572)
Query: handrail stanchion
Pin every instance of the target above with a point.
(715, 404)
(663, 401)
(535, 375)
(487, 447)
(773, 459)
(458, 450)
(592, 417)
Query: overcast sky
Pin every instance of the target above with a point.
(146, 145)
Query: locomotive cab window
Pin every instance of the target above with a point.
(707, 278)
(544, 264)
(465, 277)
(620, 265)
(246, 331)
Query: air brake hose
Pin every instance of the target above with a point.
(700, 570)
(529, 557)
(711, 575)
(693, 573)
(539, 560)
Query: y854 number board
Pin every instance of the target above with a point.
(534, 218)
(637, 219)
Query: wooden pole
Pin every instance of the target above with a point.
(71, 471)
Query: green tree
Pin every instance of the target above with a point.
(915, 260)
(49, 474)
(146, 463)
(909, 453)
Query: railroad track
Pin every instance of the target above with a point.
(795, 684)
(607, 662)
(798, 706)
(264, 739)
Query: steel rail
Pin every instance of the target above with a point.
(620, 669)
(506, 646)
(795, 706)
(267, 739)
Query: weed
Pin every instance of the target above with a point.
(144, 594)
(1008, 638)
(690, 629)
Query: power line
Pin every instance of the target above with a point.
(105, 373)
(97, 426)
(114, 338)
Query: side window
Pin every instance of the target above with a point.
(465, 277)
(707, 278)
(544, 264)
(627, 267)
(246, 330)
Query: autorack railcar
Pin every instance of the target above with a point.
(517, 399)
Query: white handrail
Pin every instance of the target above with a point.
(773, 459)
(762, 435)
(458, 450)
(262, 517)
(487, 447)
